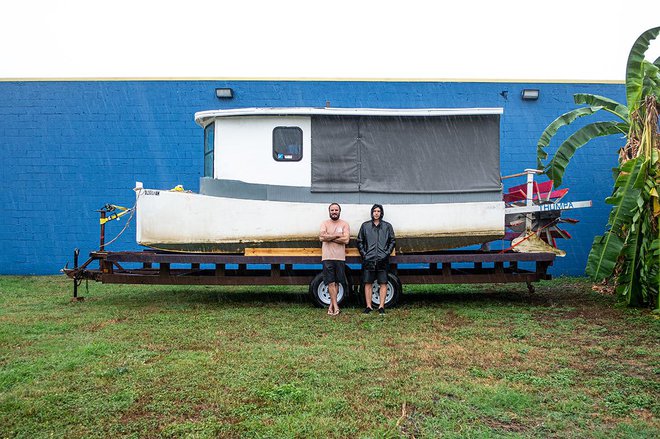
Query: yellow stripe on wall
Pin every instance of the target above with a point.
(534, 81)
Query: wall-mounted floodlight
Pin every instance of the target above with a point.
(530, 94)
(224, 93)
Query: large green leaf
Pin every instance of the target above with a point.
(648, 269)
(655, 247)
(628, 282)
(634, 70)
(651, 80)
(653, 261)
(600, 101)
(626, 197)
(651, 69)
(556, 167)
(603, 256)
(551, 130)
(606, 249)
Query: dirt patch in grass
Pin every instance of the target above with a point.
(646, 416)
(483, 356)
(454, 320)
(510, 425)
(100, 325)
(585, 311)
(138, 410)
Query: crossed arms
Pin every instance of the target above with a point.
(340, 238)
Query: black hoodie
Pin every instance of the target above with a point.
(376, 242)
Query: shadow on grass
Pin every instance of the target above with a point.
(550, 294)
(485, 297)
(177, 296)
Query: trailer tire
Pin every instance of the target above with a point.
(320, 295)
(394, 291)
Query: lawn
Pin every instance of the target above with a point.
(462, 361)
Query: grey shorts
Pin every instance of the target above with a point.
(372, 270)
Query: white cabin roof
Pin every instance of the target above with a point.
(204, 117)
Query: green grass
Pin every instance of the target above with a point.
(462, 361)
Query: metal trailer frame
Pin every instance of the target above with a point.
(166, 268)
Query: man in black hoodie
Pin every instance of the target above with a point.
(375, 242)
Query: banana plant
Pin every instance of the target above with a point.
(628, 252)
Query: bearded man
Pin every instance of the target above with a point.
(334, 235)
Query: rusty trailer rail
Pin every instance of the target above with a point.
(449, 267)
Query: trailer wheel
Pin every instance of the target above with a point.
(393, 295)
(318, 290)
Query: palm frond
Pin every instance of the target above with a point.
(551, 130)
(651, 81)
(628, 282)
(557, 166)
(603, 256)
(606, 249)
(634, 71)
(608, 104)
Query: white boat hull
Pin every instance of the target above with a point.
(181, 221)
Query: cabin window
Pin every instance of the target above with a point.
(287, 144)
(208, 149)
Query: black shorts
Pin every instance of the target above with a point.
(333, 271)
(372, 270)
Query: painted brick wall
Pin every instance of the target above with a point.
(67, 148)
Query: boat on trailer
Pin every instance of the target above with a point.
(270, 174)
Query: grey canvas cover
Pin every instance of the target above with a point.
(406, 154)
(335, 159)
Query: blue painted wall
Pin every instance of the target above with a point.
(67, 148)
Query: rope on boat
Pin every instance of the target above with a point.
(530, 235)
(110, 207)
(128, 221)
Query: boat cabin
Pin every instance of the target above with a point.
(353, 155)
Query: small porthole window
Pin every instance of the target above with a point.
(287, 144)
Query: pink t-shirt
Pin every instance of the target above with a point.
(334, 250)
